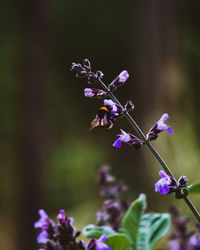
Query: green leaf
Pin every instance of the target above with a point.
(152, 227)
(92, 231)
(194, 188)
(118, 242)
(132, 218)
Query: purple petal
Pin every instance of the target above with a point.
(162, 174)
(174, 245)
(43, 219)
(125, 137)
(88, 92)
(61, 216)
(162, 185)
(164, 118)
(117, 143)
(164, 189)
(103, 238)
(169, 130)
(123, 76)
(108, 102)
(100, 245)
(43, 237)
(161, 126)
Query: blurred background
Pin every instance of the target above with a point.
(49, 159)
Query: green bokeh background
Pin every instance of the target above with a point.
(49, 159)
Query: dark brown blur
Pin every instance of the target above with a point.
(49, 159)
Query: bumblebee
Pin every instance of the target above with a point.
(103, 119)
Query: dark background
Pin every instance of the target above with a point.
(49, 159)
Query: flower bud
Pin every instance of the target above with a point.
(94, 93)
(99, 74)
(80, 71)
(92, 78)
(118, 81)
(87, 64)
(129, 106)
(183, 181)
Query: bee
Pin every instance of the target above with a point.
(102, 119)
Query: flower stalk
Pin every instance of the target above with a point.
(150, 147)
(112, 109)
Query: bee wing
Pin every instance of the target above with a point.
(94, 123)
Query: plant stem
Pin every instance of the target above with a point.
(151, 148)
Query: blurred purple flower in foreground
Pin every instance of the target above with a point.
(61, 234)
(45, 224)
(166, 184)
(98, 244)
(158, 127)
(114, 206)
(181, 238)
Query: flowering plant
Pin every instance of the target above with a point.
(122, 225)
(113, 109)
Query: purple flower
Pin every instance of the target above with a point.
(127, 138)
(161, 124)
(119, 80)
(43, 223)
(158, 127)
(104, 177)
(114, 108)
(174, 245)
(94, 93)
(43, 237)
(166, 184)
(123, 137)
(61, 216)
(194, 242)
(98, 244)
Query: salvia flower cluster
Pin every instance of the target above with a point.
(181, 238)
(114, 206)
(62, 235)
(110, 111)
